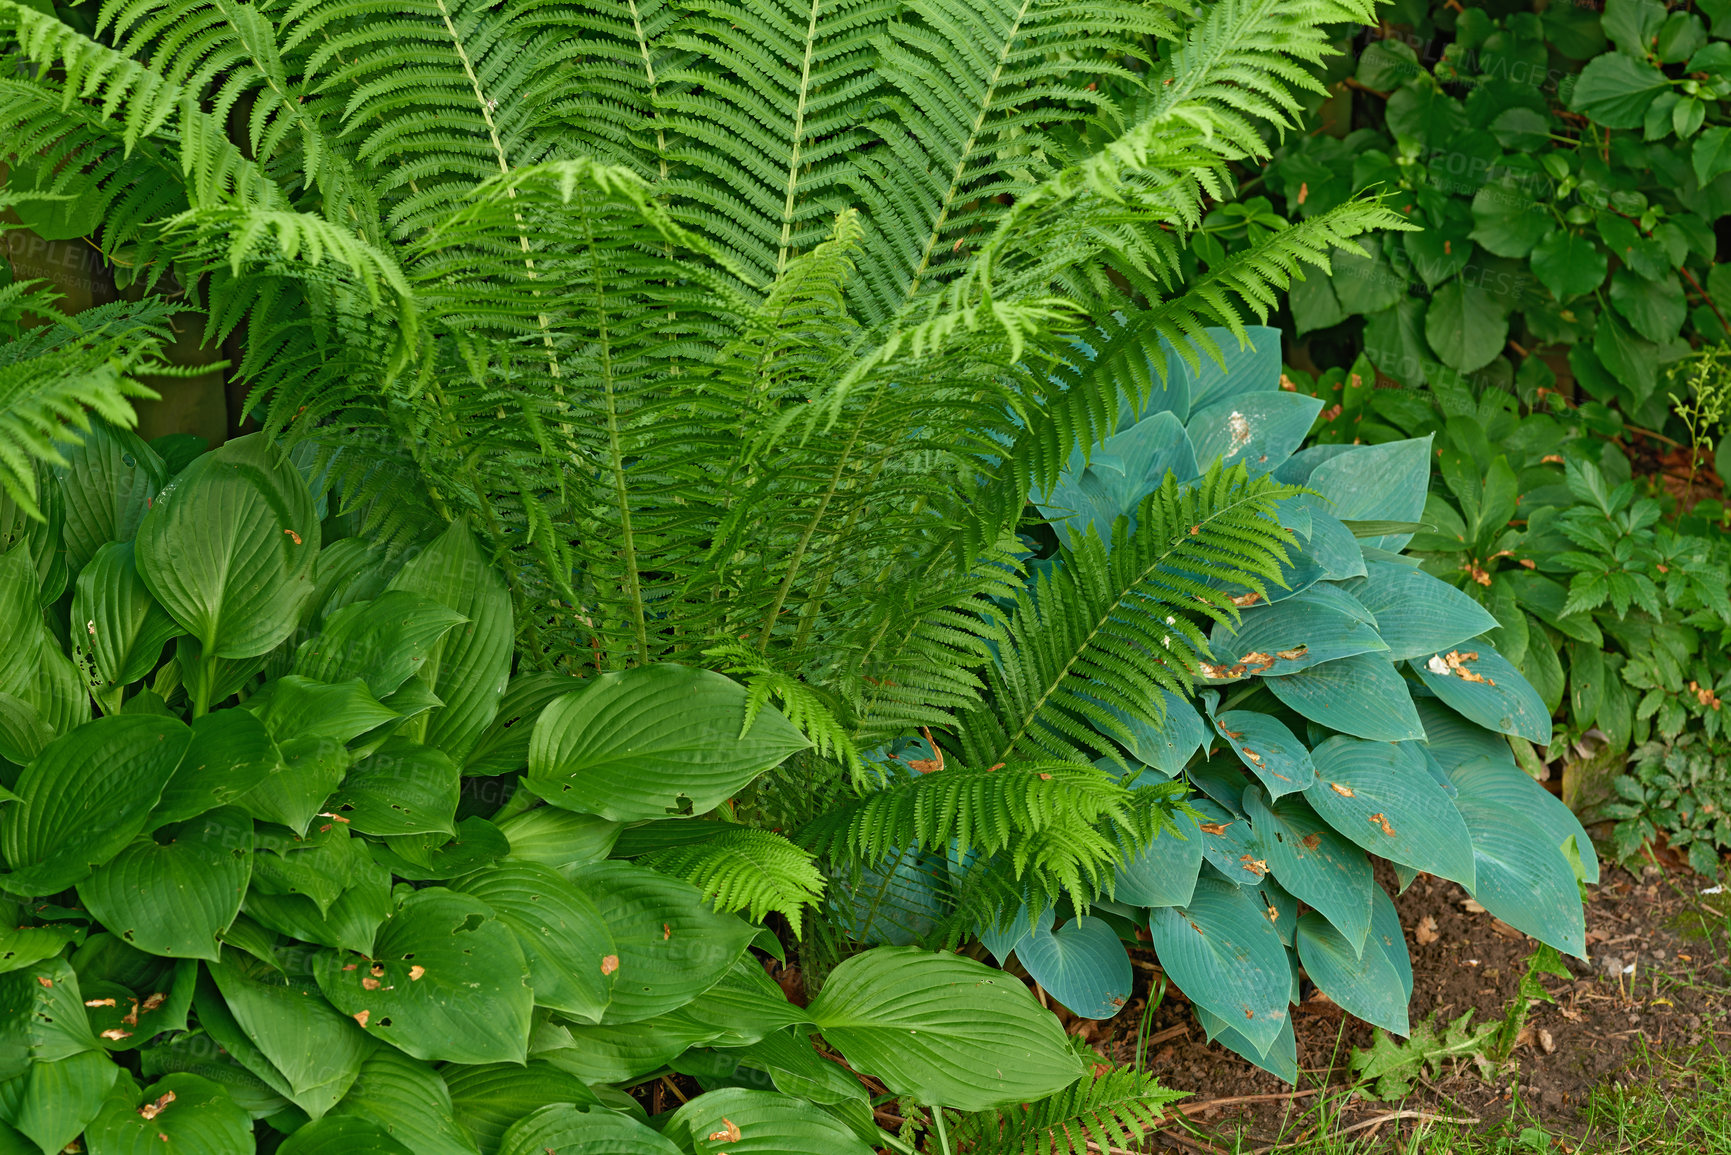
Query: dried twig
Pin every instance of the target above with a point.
(1377, 1121)
(1210, 1104)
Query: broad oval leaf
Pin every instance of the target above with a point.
(1417, 614)
(85, 797)
(1500, 783)
(1082, 964)
(943, 1029)
(1364, 696)
(1227, 958)
(174, 895)
(229, 755)
(285, 1033)
(408, 1100)
(336, 1135)
(1260, 430)
(1279, 1058)
(487, 1099)
(562, 934)
(738, 1121)
(109, 479)
(1381, 796)
(383, 642)
(1485, 687)
(228, 548)
(633, 744)
(1268, 750)
(571, 1131)
(1319, 625)
(1362, 982)
(57, 1099)
(1164, 874)
(401, 788)
(118, 629)
(1309, 858)
(446, 982)
(1523, 879)
(182, 1113)
(1385, 482)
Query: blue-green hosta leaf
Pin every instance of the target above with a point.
(174, 896)
(1501, 783)
(1082, 964)
(228, 548)
(446, 982)
(85, 797)
(188, 1114)
(1315, 863)
(671, 946)
(1363, 983)
(230, 754)
(1279, 1059)
(570, 1131)
(1418, 614)
(285, 1033)
(488, 1098)
(1330, 547)
(408, 1100)
(943, 1029)
(1258, 430)
(383, 642)
(1385, 482)
(401, 788)
(1250, 367)
(738, 1121)
(1169, 746)
(1363, 695)
(1112, 483)
(1268, 750)
(1380, 795)
(1229, 844)
(1165, 873)
(1227, 958)
(54, 1101)
(1453, 740)
(632, 744)
(1221, 778)
(1523, 879)
(1481, 684)
(1386, 935)
(1322, 624)
(469, 667)
(895, 902)
(563, 936)
(118, 628)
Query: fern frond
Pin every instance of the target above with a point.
(1110, 1111)
(747, 869)
(1104, 630)
(808, 708)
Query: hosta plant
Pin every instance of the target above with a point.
(1345, 706)
(290, 859)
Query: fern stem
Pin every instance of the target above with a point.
(967, 149)
(798, 138)
(649, 72)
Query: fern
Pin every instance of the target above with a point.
(1111, 1111)
(750, 870)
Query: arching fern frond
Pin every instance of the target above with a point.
(747, 869)
(1110, 1111)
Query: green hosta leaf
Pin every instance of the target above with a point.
(619, 1053)
(1227, 958)
(308, 770)
(85, 797)
(401, 788)
(560, 838)
(633, 744)
(446, 982)
(1082, 964)
(1381, 796)
(285, 1033)
(503, 747)
(295, 708)
(1656, 309)
(469, 667)
(343, 1136)
(943, 1029)
(408, 1100)
(1310, 859)
(570, 1131)
(118, 628)
(562, 934)
(1614, 90)
(175, 896)
(182, 1113)
(1415, 612)
(1364, 696)
(1363, 984)
(1465, 325)
(1482, 685)
(22, 946)
(1523, 879)
(1268, 750)
(230, 754)
(1165, 873)
(109, 479)
(478, 843)
(41, 1017)
(1385, 482)
(1498, 782)
(796, 1068)
(671, 947)
(1261, 430)
(23, 733)
(382, 642)
(57, 1099)
(487, 1099)
(126, 1003)
(1569, 264)
(737, 1121)
(1280, 1058)
(228, 548)
(1318, 625)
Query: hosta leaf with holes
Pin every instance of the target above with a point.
(943, 1029)
(1319, 867)
(1318, 625)
(175, 893)
(1363, 982)
(182, 1113)
(1381, 796)
(561, 932)
(228, 548)
(446, 982)
(1227, 958)
(118, 628)
(85, 797)
(745, 1122)
(631, 745)
(1268, 750)
(1486, 688)
(401, 788)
